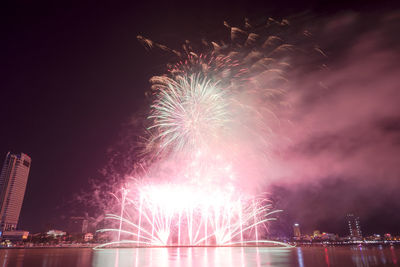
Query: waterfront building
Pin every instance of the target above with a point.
(15, 235)
(55, 233)
(374, 237)
(354, 226)
(388, 236)
(329, 236)
(316, 234)
(88, 237)
(13, 180)
(296, 231)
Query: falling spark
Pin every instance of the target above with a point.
(189, 113)
(211, 113)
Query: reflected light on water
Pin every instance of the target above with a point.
(192, 257)
(327, 257)
(202, 256)
(300, 257)
(394, 257)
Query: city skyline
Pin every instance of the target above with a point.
(76, 87)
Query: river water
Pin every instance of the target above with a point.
(195, 257)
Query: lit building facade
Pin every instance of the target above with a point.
(55, 233)
(354, 226)
(88, 237)
(317, 233)
(296, 230)
(15, 235)
(13, 180)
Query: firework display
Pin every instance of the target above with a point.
(209, 126)
(189, 113)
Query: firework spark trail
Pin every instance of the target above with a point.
(198, 207)
(210, 119)
(250, 73)
(189, 112)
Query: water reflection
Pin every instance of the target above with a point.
(374, 256)
(393, 253)
(300, 257)
(195, 257)
(46, 257)
(250, 256)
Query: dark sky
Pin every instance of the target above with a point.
(72, 73)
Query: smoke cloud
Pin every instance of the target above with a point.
(336, 147)
(344, 124)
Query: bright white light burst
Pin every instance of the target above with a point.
(189, 113)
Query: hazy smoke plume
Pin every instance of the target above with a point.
(344, 126)
(337, 141)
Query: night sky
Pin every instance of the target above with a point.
(74, 74)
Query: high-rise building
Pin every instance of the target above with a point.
(354, 226)
(296, 230)
(13, 179)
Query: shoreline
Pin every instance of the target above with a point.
(92, 246)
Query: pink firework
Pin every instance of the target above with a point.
(189, 215)
(209, 125)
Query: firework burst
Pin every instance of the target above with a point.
(210, 125)
(189, 113)
(186, 214)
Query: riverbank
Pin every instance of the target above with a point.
(294, 244)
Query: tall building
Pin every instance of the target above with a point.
(13, 179)
(354, 226)
(296, 230)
